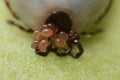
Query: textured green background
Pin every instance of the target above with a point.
(100, 61)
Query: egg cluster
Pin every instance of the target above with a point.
(48, 33)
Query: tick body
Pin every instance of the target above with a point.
(58, 23)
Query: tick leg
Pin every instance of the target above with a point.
(92, 33)
(14, 23)
(67, 51)
(43, 53)
(19, 26)
(10, 9)
(81, 50)
(62, 54)
(49, 48)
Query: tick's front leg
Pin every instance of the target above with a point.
(80, 48)
(63, 53)
(37, 51)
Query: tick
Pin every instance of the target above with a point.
(57, 24)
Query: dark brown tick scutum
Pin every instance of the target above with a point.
(61, 19)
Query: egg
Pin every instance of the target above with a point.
(69, 17)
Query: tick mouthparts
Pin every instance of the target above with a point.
(61, 19)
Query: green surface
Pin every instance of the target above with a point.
(100, 61)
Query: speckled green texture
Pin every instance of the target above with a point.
(100, 61)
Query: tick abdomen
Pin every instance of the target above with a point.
(81, 12)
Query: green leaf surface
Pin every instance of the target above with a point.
(100, 61)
